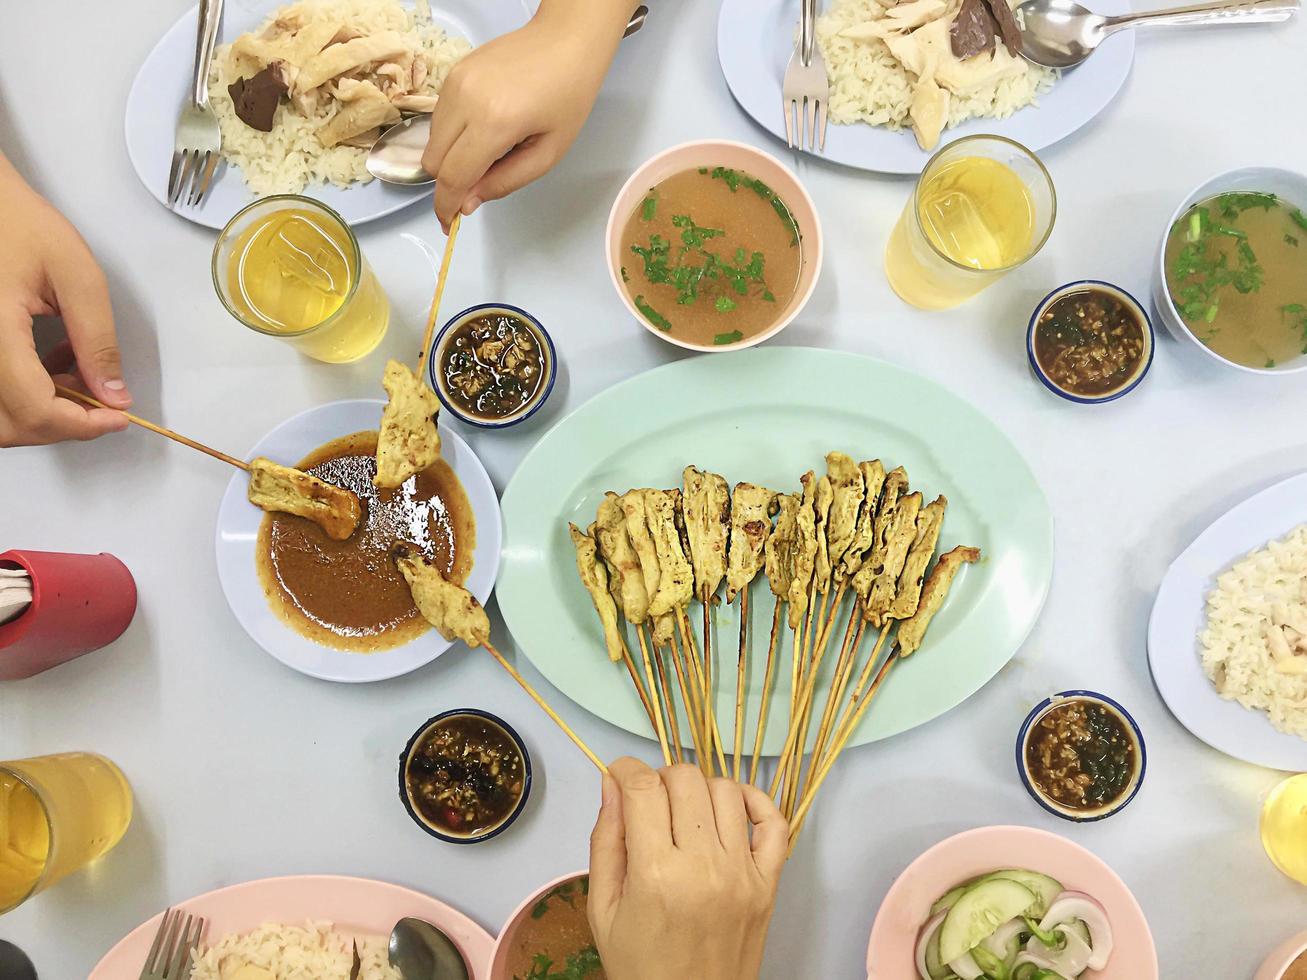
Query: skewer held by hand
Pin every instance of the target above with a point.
(439, 294)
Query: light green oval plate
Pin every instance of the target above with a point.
(767, 416)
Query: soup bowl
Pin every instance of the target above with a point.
(1275, 966)
(737, 156)
(526, 912)
(1286, 184)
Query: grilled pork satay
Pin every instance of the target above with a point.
(637, 530)
(929, 522)
(848, 490)
(751, 510)
(873, 479)
(821, 503)
(902, 532)
(913, 630)
(779, 550)
(626, 577)
(280, 488)
(408, 441)
(676, 577)
(805, 551)
(706, 505)
(594, 576)
(896, 481)
(450, 608)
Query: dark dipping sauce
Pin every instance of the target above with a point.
(493, 365)
(1080, 756)
(554, 940)
(465, 776)
(1089, 342)
(349, 594)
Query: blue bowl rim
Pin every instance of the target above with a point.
(1044, 706)
(504, 824)
(458, 413)
(1081, 399)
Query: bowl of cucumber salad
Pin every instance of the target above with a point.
(1010, 903)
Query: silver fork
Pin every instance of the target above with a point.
(199, 141)
(174, 946)
(806, 88)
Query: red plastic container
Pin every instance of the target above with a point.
(80, 603)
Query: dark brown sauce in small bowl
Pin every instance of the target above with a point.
(464, 776)
(493, 366)
(1090, 342)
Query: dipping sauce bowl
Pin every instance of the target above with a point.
(1046, 333)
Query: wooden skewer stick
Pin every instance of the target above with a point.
(682, 672)
(840, 682)
(741, 675)
(439, 294)
(535, 696)
(629, 661)
(77, 396)
(712, 737)
(810, 690)
(669, 702)
(796, 655)
(806, 677)
(766, 693)
(656, 710)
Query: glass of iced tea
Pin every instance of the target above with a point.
(290, 267)
(1284, 827)
(983, 206)
(58, 813)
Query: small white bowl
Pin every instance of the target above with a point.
(720, 153)
(1287, 184)
(1282, 957)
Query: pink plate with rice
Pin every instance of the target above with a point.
(354, 906)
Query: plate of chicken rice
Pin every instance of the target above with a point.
(301, 91)
(908, 77)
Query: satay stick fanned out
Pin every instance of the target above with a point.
(751, 510)
(408, 440)
(595, 579)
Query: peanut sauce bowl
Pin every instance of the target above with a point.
(1138, 764)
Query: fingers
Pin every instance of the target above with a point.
(82, 296)
(60, 359)
(693, 825)
(771, 832)
(608, 849)
(528, 161)
(731, 818)
(646, 815)
(478, 147)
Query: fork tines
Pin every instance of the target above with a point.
(196, 166)
(174, 946)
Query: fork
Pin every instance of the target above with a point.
(806, 88)
(174, 945)
(198, 143)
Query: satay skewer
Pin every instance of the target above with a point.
(741, 665)
(669, 702)
(439, 294)
(655, 709)
(761, 730)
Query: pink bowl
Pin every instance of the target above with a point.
(891, 952)
(1282, 957)
(499, 957)
(740, 156)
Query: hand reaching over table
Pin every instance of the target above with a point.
(683, 874)
(509, 111)
(47, 269)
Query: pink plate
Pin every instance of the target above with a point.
(891, 952)
(351, 904)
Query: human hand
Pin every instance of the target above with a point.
(47, 269)
(677, 886)
(511, 108)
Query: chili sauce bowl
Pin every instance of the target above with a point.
(1128, 725)
(732, 155)
(450, 334)
(483, 832)
(1132, 380)
(1286, 184)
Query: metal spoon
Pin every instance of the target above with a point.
(1062, 33)
(420, 951)
(14, 964)
(396, 156)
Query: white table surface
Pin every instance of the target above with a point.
(243, 769)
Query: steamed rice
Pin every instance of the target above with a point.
(868, 84)
(290, 157)
(315, 951)
(1235, 653)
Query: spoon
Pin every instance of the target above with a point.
(1062, 33)
(396, 156)
(14, 964)
(420, 951)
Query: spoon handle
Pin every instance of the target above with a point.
(1220, 12)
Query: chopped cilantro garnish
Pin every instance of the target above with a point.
(540, 908)
(649, 208)
(1290, 240)
(724, 304)
(1235, 203)
(1298, 218)
(728, 338)
(626, 276)
(652, 315)
(1270, 362)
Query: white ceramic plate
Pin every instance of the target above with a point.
(353, 905)
(161, 84)
(755, 39)
(238, 532)
(1178, 617)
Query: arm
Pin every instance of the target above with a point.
(511, 109)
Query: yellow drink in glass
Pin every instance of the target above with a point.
(290, 267)
(983, 206)
(58, 813)
(1284, 827)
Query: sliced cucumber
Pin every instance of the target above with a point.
(934, 965)
(978, 914)
(1045, 888)
(946, 901)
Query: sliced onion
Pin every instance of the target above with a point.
(1000, 943)
(965, 966)
(1070, 906)
(923, 940)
